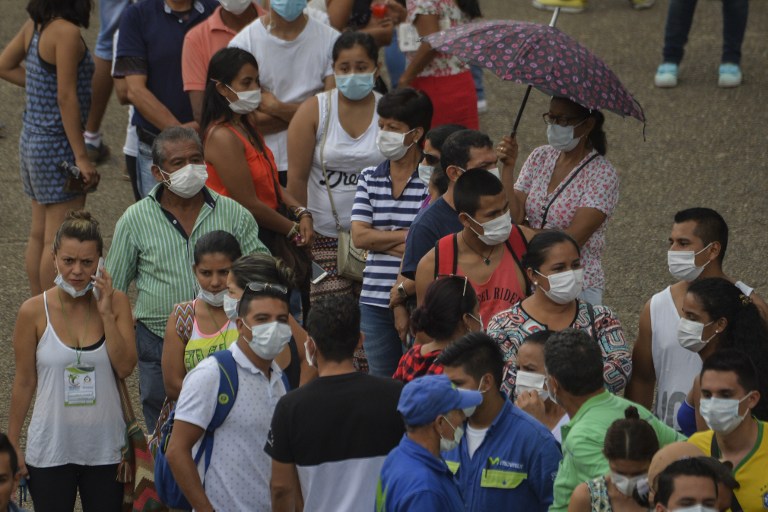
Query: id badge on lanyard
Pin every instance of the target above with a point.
(79, 385)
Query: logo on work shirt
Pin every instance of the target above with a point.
(499, 463)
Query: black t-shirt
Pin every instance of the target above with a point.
(350, 416)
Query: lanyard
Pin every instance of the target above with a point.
(563, 187)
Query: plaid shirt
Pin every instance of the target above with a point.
(413, 365)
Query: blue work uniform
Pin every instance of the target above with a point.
(513, 468)
(412, 479)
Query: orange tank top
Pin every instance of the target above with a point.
(263, 172)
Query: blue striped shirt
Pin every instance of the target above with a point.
(150, 248)
(375, 205)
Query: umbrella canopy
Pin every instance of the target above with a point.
(540, 56)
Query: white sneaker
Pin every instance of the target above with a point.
(482, 106)
(729, 75)
(666, 75)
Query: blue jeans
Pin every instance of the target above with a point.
(680, 17)
(150, 350)
(477, 77)
(395, 61)
(382, 345)
(145, 181)
(110, 12)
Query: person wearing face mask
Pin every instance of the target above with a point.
(687, 485)
(661, 366)
(414, 476)
(205, 39)
(449, 311)
(553, 265)
(294, 52)
(200, 327)
(70, 344)
(430, 171)
(152, 243)
(574, 368)
(387, 200)
(716, 316)
(629, 446)
(488, 250)
(507, 459)
(531, 394)
(730, 392)
(237, 477)
(242, 167)
(569, 185)
(338, 428)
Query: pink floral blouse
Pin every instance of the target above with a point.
(449, 16)
(596, 186)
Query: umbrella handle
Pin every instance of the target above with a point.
(552, 23)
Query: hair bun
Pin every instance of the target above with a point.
(83, 215)
(631, 413)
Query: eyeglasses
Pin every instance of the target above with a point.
(549, 120)
(267, 288)
(431, 159)
(454, 276)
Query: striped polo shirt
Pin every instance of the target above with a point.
(150, 247)
(375, 205)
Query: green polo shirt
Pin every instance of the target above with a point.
(150, 247)
(583, 439)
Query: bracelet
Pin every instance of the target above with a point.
(305, 214)
(300, 211)
(293, 232)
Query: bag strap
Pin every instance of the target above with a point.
(517, 245)
(125, 401)
(448, 245)
(714, 451)
(563, 187)
(591, 312)
(225, 399)
(326, 123)
(185, 319)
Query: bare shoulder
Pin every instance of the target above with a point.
(580, 499)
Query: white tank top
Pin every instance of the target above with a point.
(88, 435)
(675, 366)
(345, 157)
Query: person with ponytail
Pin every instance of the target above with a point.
(718, 316)
(569, 185)
(444, 78)
(629, 446)
(449, 311)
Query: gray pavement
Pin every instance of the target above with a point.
(704, 147)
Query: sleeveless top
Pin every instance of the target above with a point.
(598, 495)
(201, 345)
(345, 158)
(675, 366)
(88, 435)
(42, 115)
(262, 167)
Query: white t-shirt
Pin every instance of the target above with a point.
(475, 437)
(240, 470)
(291, 70)
(557, 430)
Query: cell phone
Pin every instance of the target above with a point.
(74, 181)
(318, 273)
(99, 271)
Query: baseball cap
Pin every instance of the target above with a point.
(424, 399)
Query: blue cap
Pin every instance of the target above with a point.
(425, 398)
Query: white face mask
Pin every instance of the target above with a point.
(187, 181)
(269, 339)
(689, 334)
(626, 484)
(561, 137)
(564, 287)
(529, 381)
(247, 101)
(695, 508)
(495, 231)
(236, 7)
(230, 306)
(213, 299)
(469, 411)
(311, 361)
(69, 289)
(495, 172)
(425, 173)
(682, 264)
(392, 144)
(722, 414)
(447, 445)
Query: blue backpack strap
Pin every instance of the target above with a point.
(228, 384)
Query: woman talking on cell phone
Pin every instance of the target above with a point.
(56, 74)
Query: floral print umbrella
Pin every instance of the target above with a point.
(542, 57)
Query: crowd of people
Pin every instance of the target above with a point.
(345, 296)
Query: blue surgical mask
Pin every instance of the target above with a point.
(355, 86)
(289, 10)
(61, 283)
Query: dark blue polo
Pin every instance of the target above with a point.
(151, 32)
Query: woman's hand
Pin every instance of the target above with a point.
(531, 402)
(396, 11)
(23, 471)
(103, 286)
(507, 150)
(88, 172)
(402, 322)
(306, 235)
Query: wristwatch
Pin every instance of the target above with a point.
(401, 291)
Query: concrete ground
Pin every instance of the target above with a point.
(704, 147)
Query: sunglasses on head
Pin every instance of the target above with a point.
(259, 287)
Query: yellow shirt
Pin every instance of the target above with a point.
(201, 345)
(751, 473)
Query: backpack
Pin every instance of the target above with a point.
(447, 250)
(167, 488)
